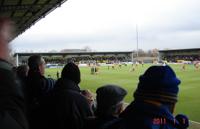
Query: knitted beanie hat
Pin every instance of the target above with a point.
(71, 71)
(158, 83)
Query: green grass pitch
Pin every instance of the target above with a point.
(189, 93)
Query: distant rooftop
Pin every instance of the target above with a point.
(73, 50)
(71, 53)
(188, 49)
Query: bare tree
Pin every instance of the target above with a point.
(87, 49)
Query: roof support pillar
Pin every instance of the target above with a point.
(17, 60)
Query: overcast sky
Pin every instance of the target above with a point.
(110, 25)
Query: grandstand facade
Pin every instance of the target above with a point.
(180, 54)
(80, 56)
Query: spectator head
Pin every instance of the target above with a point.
(71, 72)
(22, 71)
(6, 28)
(158, 84)
(36, 64)
(88, 95)
(110, 100)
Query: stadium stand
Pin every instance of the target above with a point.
(79, 57)
(180, 54)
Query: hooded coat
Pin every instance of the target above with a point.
(71, 107)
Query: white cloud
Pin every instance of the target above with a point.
(110, 25)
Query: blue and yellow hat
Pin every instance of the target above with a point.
(158, 83)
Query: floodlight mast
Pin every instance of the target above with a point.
(137, 40)
(136, 44)
(132, 56)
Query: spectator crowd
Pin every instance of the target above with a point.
(29, 100)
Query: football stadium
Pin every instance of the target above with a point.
(126, 73)
(47, 55)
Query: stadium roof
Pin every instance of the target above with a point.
(26, 13)
(181, 50)
(74, 53)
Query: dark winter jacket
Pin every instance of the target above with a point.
(99, 122)
(39, 98)
(71, 107)
(12, 106)
(139, 115)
